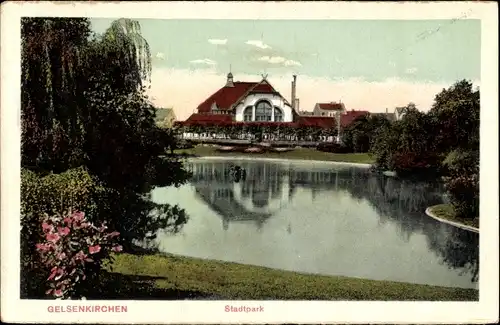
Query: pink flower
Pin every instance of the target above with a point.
(56, 274)
(63, 231)
(67, 221)
(43, 247)
(80, 256)
(117, 248)
(58, 293)
(94, 249)
(61, 256)
(47, 228)
(53, 237)
(78, 216)
(114, 234)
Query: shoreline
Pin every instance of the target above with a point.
(429, 212)
(280, 160)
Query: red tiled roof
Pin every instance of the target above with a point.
(350, 116)
(317, 121)
(209, 119)
(325, 122)
(227, 96)
(331, 106)
(263, 88)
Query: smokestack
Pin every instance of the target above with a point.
(386, 110)
(294, 91)
(297, 104)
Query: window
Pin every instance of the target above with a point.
(278, 114)
(247, 113)
(263, 112)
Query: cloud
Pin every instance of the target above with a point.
(204, 61)
(160, 56)
(174, 88)
(279, 60)
(411, 70)
(217, 41)
(272, 59)
(292, 63)
(258, 44)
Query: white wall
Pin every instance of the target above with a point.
(275, 100)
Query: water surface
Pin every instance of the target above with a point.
(320, 218)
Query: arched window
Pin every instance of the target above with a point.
(263, 112)
(247, 114)
(278, 114)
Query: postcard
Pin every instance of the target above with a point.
(249, 162)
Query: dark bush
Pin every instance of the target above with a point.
(412, 163)
(462, 183)
(332, 147)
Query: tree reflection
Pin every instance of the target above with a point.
(270, 187)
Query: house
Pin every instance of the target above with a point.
(328, 109)
(239, 102)
(165, 117)
(249, 102)
(399, 112)
(259, 103)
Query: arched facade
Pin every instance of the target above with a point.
(264, 108)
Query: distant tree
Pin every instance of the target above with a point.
(360, 134)
(455, 115)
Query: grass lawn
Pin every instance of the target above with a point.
(299, 153)
(446, 211)
(176, 277)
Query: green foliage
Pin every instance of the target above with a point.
(463, 182)
(54, 194)
(84, 104)
(361, 134)
(455, 117)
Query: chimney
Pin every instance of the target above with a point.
(294, 91)
(386, 110)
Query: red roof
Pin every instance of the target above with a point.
(209, 119)
(325, 122)
(317, 121)
(331, 106)
(227, 96)
(350, 116)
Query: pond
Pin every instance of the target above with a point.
(319, 218)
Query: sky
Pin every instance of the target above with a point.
(367, 64)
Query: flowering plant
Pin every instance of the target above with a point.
(74, 250)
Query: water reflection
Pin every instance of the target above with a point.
(340, 220)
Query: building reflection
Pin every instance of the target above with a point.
(269, 187)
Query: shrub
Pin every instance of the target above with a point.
(462, 183)
(53, 194)
(464, 194)
(407, 163)
(73, 252)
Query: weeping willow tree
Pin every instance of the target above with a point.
(69, 81)
(50, 94)
(126, 35)
(84, 104)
